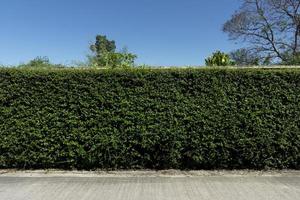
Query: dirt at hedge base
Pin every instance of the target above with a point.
(145, 173)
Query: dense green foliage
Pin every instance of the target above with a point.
(219, 59)
(147, 118)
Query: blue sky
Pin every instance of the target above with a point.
(160, 32)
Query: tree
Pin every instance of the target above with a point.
(105, 54)
(41, 62)
(218, 59)
(292, 60)
(244, 57)
(102, 49)
(126, 59)
(271, 28)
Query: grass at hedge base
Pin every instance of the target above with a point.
(153, 119)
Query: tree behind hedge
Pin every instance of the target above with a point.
(271, 28)
(219, 59)
(105, 55)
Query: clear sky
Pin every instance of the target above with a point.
(160, 32)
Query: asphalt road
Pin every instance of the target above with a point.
(44, 186)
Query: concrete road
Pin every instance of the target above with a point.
(150, 186)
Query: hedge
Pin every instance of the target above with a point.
(150, 118)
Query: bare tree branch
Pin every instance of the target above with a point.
(271, 26)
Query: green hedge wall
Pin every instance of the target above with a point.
(150, 118)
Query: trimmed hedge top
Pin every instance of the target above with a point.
(150, 118)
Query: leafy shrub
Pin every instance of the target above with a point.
(113, 60)
(147, 118)
(219, 59)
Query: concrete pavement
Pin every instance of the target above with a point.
(167, 185)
